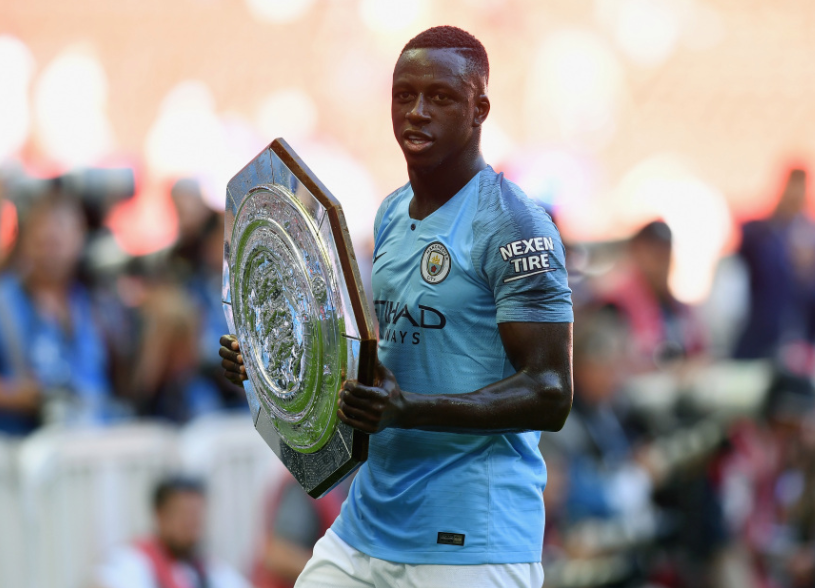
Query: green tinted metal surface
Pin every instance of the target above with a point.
(286, 316)
(291, 294)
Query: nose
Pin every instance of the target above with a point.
(418, 113)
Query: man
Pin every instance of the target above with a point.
(661, 329)
(53, 362)
(171, 558)
(475, 347)
(779, 255)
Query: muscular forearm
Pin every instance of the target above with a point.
(537, 397)
(522, 402)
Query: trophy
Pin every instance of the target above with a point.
(293, 296)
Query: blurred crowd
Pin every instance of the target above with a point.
(689, 457)
(90, 335)
(688, 460)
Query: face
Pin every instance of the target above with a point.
(192, 212)
(180, 523)
(437, 107)
(793, 199)
(51, 242)
(654, 261)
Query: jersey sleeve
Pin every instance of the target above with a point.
(519, 253)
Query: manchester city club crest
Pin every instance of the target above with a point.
(435, 263)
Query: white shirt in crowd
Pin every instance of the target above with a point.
(129, 567)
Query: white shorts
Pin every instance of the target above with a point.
(335, 564)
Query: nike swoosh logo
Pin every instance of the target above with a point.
(378, 256)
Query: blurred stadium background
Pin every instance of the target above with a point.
(692, 460)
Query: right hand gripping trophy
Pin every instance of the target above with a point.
(293, 295)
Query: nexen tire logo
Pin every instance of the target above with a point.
(526, 265)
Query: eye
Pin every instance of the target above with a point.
(402, 96)
(441, 97)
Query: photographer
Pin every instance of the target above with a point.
(52, 359)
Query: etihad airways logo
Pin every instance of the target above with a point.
(528, 257)
(397, 322)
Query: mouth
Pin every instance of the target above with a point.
(416, 142)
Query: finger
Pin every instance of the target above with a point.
(232, 367)
(350, 399)
(365, 428)
(233, 356)
(228, 340)
(360, 415)
(364, 410)
(241, 375)
(236, 379)
(362, 391)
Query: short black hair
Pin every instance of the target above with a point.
(175, 484)
(797, 173)
(449, 37)
(656, 232)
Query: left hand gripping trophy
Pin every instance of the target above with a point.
(293, 295)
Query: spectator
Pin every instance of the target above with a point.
(605, 477)
(204, 286)
(171, 557)
(177, 372)
(767, 482)
(194, 219)
(779, 253)
(166, 380)
(661, 328)
(295, 523)
(53, 364)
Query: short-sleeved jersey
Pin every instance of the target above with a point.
(441, 286)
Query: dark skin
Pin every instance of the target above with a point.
(438, 106)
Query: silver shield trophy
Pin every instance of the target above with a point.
(293, 295)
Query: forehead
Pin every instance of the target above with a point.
(433, 65)
(182, 498)
(51, 211)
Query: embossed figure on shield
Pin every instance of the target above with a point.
(293, 296)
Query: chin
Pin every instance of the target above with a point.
(422, 163)
(182, 551)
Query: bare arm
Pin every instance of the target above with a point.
(20, 395)
(537, 397)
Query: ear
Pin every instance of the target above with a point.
(482, 109)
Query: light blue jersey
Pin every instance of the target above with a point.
(441, 286)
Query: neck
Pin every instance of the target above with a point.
(433, 187)
(46, 285)
(186, 553)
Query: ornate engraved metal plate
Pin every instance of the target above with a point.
(292, 294)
